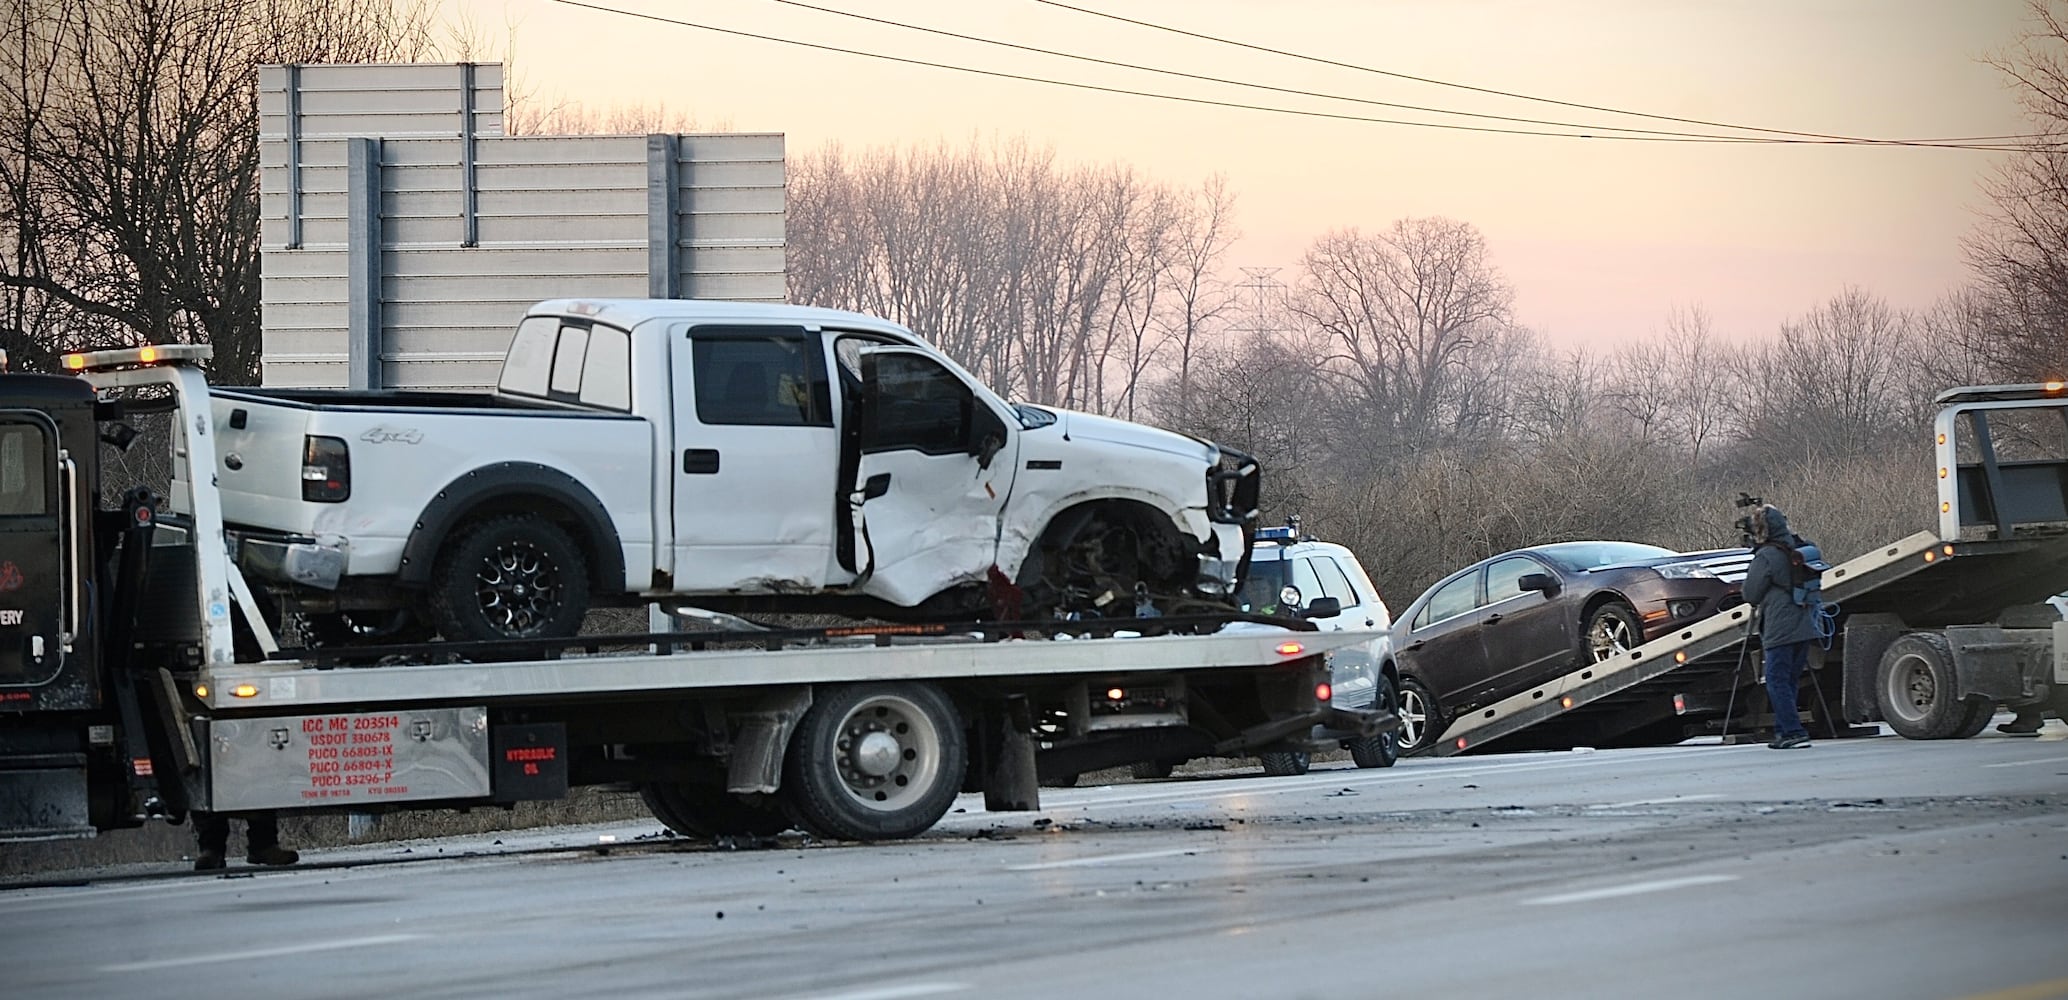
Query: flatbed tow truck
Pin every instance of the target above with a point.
(141, 679)
(1932, 632)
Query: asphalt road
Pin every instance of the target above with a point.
(1873, 867)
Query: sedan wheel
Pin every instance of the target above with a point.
(1420, 720)
(1612, 630)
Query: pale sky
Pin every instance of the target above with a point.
(1599, 238)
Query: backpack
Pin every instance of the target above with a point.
(1806, 568)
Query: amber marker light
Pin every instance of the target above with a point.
(1942, 472)
(1680, 656)
(75, 362)
(147, 354)
(1115, 694)
(1930, 556)
(1290, 649)
(2056, 386)
(201, 691)
(245, 691)
(1565, 702)
(1942, 439)
(1946, 550)
(1946, 507)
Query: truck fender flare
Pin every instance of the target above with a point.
(509, 486)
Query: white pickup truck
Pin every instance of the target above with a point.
(727, 456)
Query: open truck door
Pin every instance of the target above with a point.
(932, 468)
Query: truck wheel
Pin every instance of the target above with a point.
(877, 761)
(1384, 749)
(518, 576)
(1979, 712)
(1285, 763)
(1421, 719)
(1151, 770)
(707, 811)
(1917, 690)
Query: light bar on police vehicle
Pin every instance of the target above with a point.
(1277, 535)
(136, 357)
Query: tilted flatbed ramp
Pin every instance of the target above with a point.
(1923, 576)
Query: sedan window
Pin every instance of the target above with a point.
(1450, 600)
(1503, 578)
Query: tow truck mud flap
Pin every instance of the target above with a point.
(351, 759)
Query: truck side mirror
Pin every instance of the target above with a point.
(1323, 607)
(875, 486)
(1538, 581)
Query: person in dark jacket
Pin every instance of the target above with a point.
(261, 836)
(1785, 627)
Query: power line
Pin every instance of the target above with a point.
(1524, 97)
(1446, 126)
(1224, 80)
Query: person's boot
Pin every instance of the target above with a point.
(208, 861)
(2025, 723)
(271, 854)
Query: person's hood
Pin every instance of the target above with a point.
(1776, 523)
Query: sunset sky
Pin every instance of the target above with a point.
(1599, 238)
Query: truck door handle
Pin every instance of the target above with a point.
(700, 461)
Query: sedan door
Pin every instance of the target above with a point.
(1443, 645)
(1527, 633)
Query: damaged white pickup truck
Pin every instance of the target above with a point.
(727, 456)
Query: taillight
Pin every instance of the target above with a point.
(326, 470)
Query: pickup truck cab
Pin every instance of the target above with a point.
(727, 456)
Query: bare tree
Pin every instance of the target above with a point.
(2020, 252)
(1404, 311)
(130, 161)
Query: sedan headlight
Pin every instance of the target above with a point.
(1687, 571)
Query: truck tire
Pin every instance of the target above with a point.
(1979, 712)
(874, 761)
(1151, 770)
(707, 811)
(1285, 763)
(1384, 749)
(516, 576)
(1917, 690)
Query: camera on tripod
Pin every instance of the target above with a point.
(1744, 522)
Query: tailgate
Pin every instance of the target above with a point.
(259, 444)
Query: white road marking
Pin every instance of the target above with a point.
(897, 992)
(1655, 802)
(2029, 763)
(1633, 889)
(247, 954)
(1106, 859)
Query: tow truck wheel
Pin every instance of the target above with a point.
(708, 811)
(1979, 712)
(1421, 721)
(518, 576)
(1384, 749)
(1285, 763)
(1917, 690)
(876, 761)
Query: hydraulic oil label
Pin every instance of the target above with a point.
(348, 759)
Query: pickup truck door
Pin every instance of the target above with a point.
(933, 467)
(37, 589)
(755, 460)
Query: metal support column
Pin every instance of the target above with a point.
(363, 266)
(470, 222)
(294, 156)
(663, 216)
